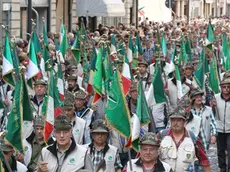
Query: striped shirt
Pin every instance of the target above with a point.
(202, 130)
(148, 55)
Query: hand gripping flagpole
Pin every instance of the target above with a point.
(2, 157)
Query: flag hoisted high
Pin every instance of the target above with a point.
(130, 48)
(60, 82)
(97, 78)
(199, 73)
(7, 64)
(51, 107)
(142, 114)
(113, 44)
(76, 48)
(126, 76)
(64, 42)
(116, 111)
(214, 78)
(32, 69)
(156, 92)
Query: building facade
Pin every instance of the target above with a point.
(13, 13)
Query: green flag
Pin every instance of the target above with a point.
(36, 42)
(83, 32)
(107, 71)
(116, 111)
(183, 56)
(113, 44)
(7, 64)
(32, 69)
(156, 93)
(227, 62)
(199, 73)
(210, 34)
(188, 49)
(214, 79)
(46, 43)
(76, 49)
(20, 111)
(224, 44)
(143, 117)
(64, 42)
(158, 85)
(163, 45)
(97, 79)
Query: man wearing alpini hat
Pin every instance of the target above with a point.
(34, 144)
(104, 156)
(143, 75)
(72, 84)
(149, 156)
(8, 153)
(40, 87)
(78, 123)
(84, 112)
(179, 147)
(64, 154)
(208, 128)
(222, 104)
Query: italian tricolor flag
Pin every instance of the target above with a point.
(60, 83)
(126, 76)
(33, 64)
(130, 49)
(52, 106)
(113, 48)
(7, 65)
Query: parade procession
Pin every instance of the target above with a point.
(150, 97)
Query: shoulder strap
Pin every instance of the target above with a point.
(85, 112)
(192, 136)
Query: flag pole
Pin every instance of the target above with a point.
(6, 162)
(2, 157)
(130, 163)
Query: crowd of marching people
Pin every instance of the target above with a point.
(174, 78)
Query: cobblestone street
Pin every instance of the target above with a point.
(212, 154)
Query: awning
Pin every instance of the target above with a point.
(104, 8)
(35, 3)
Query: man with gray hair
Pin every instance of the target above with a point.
(64, 154)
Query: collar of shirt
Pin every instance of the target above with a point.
(170, 133)
(223, 98)
(80, 111)
(194, 110)
(144, 76)
(58, 150)
(36, 142)
(157, 167)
